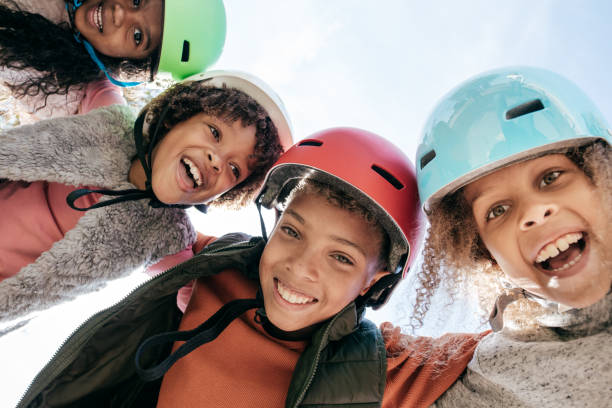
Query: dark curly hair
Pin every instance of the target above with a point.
(30, 41)
(187, 99)
(454, 254)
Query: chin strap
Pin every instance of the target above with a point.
(133, 193)
(204, 333)
(71, 8)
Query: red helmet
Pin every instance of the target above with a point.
(370, 169)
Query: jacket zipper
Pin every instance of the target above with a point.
(44, 371)
(315, 366)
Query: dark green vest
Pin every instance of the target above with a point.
(344, 365)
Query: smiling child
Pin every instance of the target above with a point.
(515, 173)
(90, 47)
(279, 323)
(207, 140)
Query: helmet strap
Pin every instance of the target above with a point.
(378, 294)
(145, 160)
(205, 333)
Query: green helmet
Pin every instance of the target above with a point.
(193, 36)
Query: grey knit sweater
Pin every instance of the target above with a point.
(566, 362)
(107, 243)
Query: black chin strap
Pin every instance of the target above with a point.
(133, 193)
(205, 333)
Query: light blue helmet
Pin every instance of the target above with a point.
(498, 118)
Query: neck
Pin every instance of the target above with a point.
(137, 175)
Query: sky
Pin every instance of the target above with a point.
(379, 66)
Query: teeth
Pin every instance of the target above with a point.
(195, 173)
(291, 296)
(555, 248)
(98, 17)
(568, 265)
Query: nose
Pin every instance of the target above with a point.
(123, 15)
(215, 161)
(536, 215)
(303, 263)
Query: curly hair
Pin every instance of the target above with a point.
(184, 100)
(61, 63)
(454, 254)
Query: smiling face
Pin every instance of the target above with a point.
(543, 222)
(121, 28)
(319, 259)
(200, 159)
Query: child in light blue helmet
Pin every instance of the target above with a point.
(514, 170)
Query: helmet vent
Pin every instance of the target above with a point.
(427, 157)
(310, 143)
(525, 108)
(185, 55)
(388, 176)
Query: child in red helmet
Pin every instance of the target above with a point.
(279, 323)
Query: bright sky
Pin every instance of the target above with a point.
(378, 65)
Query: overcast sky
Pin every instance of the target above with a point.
(379, 65)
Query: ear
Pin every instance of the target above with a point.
(372, 281)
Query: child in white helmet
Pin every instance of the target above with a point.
(206, 140)
(61, 57)
(277, 323)
(515, 173)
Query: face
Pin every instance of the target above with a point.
(201, 158)
(121, 28)
(543, 222)
(318, 260)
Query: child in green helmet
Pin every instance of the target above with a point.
(516, 174)
(207, 140)
(87, 46)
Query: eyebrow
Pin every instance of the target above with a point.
(349, 243)
(295, 215)
(333, 237)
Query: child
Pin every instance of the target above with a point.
(209, 139)
(54, 54)
(346, 235)
(514, 171)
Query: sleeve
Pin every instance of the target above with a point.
(93, 149)
(101, 93)
(107, 243)
(420, 369)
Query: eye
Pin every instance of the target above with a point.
(497, 211)
(136, 3)
(290, 231)
(214, 132)
(235, 171)
(342, 259)
(137, 36)
(549, 178)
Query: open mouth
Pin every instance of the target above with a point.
(192, 172)
(292, 296)
(561, 254)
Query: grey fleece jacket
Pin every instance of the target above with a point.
(566, 362)
(107, 243)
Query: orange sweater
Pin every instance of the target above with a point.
(245, 367)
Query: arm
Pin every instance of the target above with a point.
(92, 149)
(101, 93)
(420, 369)
(107, 243)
